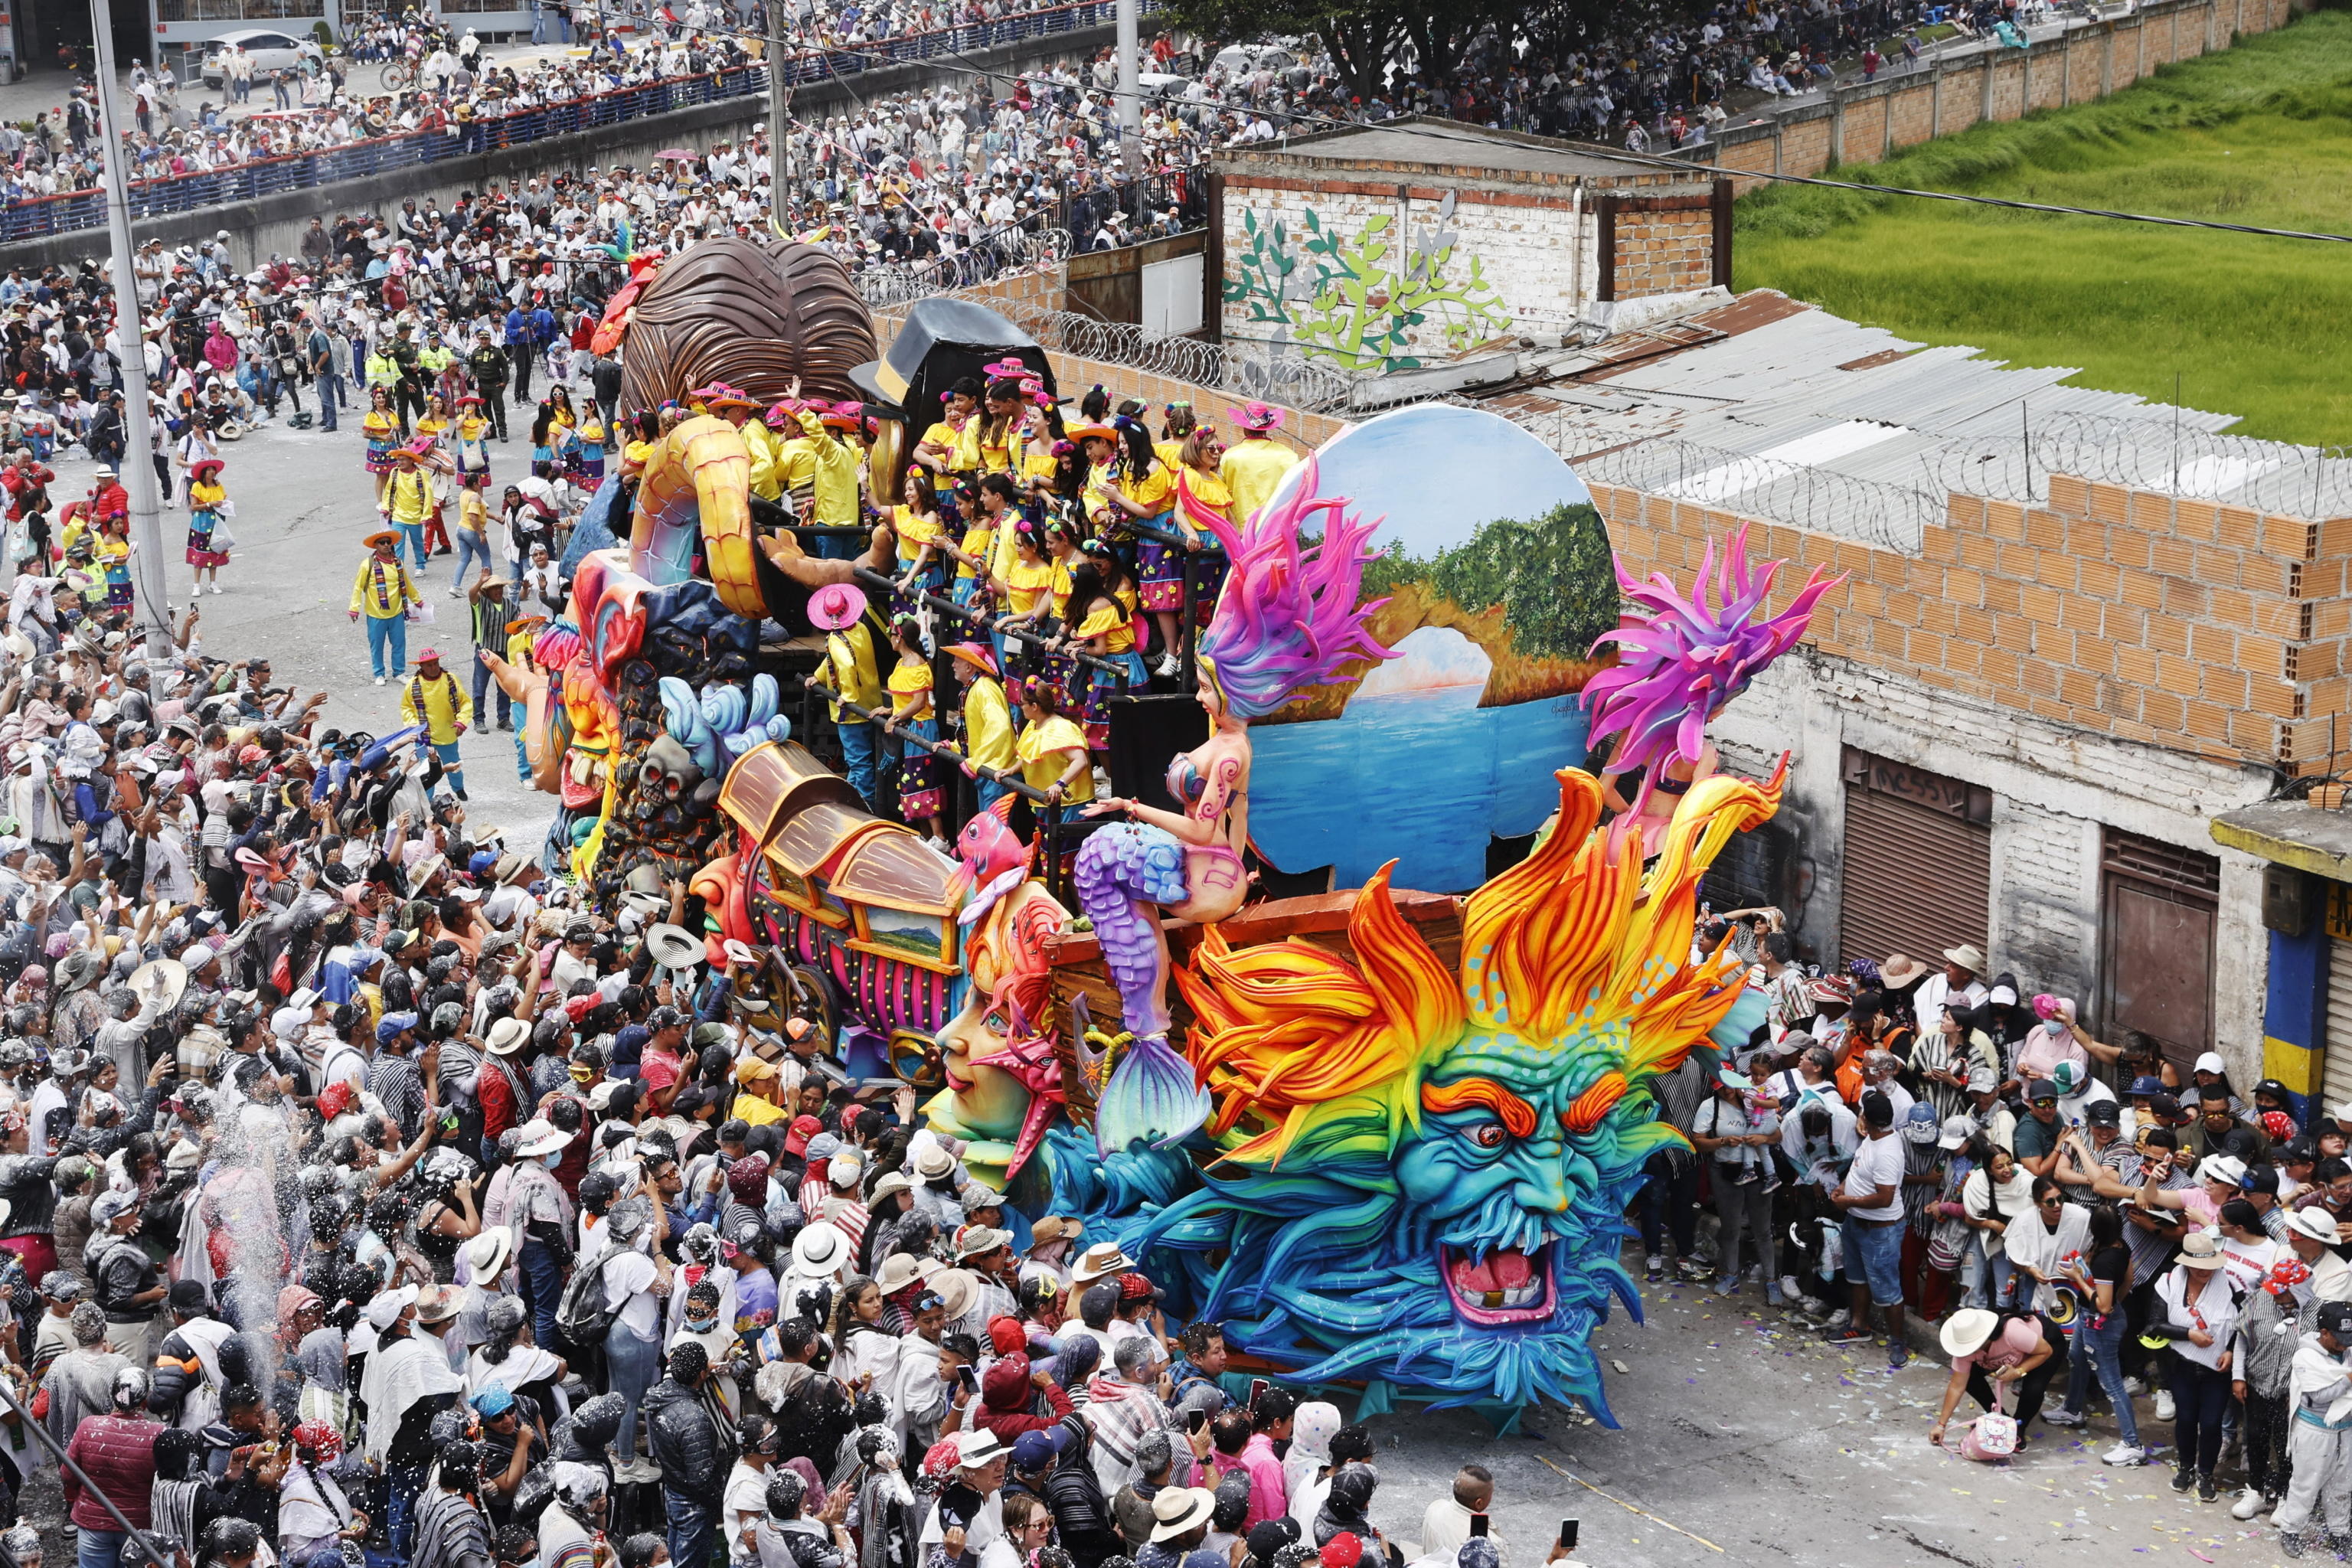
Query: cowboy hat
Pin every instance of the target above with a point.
(980, 657)
(1178, 1511)
(1255, 415)
(932, 1161)
(1966, 1331)
(1100, 1261)
(163, 980)
(1054, 1227)
(836, 606)
(487, 1254)
(381, 538)
(673, 946)
(507, 1037)
(1090, 432)
(539, 1137)
(888, 1183)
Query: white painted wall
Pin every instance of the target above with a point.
(2052, 789)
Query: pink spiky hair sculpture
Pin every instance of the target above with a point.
(1287, 618)
(1690, 656)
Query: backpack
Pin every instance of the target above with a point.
(580, 1312)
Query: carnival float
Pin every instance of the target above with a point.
(1382, 1134)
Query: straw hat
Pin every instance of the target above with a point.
(1178, 1511)
(2199, 1250)
(539, 1137)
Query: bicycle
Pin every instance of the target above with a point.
(399, 76)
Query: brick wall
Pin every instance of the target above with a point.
(2207, 629)
(1863, 122)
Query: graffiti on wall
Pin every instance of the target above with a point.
(1366, 301)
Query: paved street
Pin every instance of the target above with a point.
(1745, 1435)
(304, 504)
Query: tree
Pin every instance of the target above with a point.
(1362, 36)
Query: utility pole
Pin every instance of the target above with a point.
(779, 126)
(154, 616)
(1131, 89)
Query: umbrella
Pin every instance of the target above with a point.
(678, 154)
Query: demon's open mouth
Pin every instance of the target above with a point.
(1507, 1286)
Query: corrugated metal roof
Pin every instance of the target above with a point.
(1745, 392)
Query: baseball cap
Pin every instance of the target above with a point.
(2041, 1089)
(1032, 1450)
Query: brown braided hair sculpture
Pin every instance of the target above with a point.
(751, 315)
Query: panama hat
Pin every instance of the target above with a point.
(1966, 1331)
(1179, 1509)
(978, 1447)
(820, 1249)
(836, 606)
(933, 1161)
(673, 946)
(2199, 1250)
(508, 1035)
(487, 1254)
(1099, 1262)
(2316, 1223)
(1966, 955)
(539, 1137)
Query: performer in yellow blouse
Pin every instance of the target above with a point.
(936, 448)
(381, 425)
(1053, 752)
(987, 718)
(207, 504)
(922, 541)
(913, 718)
(1101, 621)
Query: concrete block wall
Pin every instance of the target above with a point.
(1867, 121)
(2205, 629)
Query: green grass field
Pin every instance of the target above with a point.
(2261, 133)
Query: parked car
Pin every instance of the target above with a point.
(270, 51)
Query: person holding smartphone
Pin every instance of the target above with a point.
(1463, 1514)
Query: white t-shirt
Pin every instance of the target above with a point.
(628, 1290)
(1877, 1162)
(741, 1504)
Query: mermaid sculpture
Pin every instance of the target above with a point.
(1287, 619)
(1676, 670)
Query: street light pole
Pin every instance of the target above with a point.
(779, 126)
(1130, 102)
(154, 614)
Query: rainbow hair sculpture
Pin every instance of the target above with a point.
(1689, 657)
(1286, 619)
(1421, 1175)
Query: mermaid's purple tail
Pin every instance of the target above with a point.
(1124, 873)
